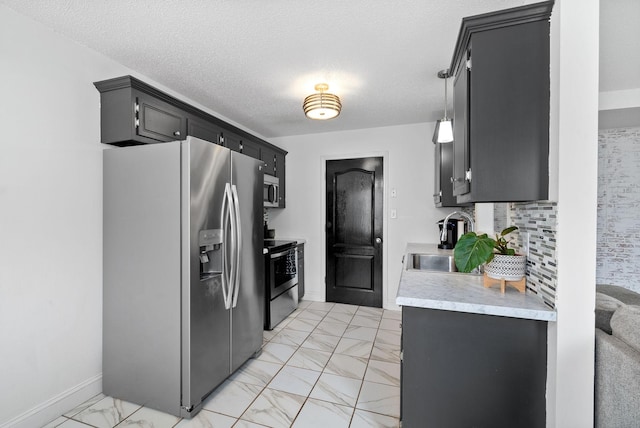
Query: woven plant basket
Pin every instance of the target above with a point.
(510, 268)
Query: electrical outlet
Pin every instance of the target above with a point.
(394, 193)
(525, 243)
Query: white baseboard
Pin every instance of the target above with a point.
(313, 297)
(56, 406)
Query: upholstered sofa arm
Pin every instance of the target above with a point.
(617, 383)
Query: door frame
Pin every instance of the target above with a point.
(386, 303)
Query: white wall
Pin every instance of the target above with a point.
(50, 219)
(408, 168)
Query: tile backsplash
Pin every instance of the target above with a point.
(618, 245)
(538, 220)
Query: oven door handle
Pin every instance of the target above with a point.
(283, 253)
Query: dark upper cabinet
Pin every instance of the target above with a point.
(269, 159)
(443, 182)
(501, 106)
(460, 147)
(251, 148)
(158, 120)
(280, 173)
(232, 141)
(133, 112)
(203, 129)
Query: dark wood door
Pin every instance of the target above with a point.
(354, 189)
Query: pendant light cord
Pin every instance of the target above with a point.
(446, 75)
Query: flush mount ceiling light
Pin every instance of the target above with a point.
(322, 105)
(444, 128)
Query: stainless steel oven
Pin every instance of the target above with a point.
(271, 191)
(281, 281)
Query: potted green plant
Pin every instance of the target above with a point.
(501, 261)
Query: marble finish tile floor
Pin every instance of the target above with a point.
(326, 365)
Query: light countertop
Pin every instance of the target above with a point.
(465, 293)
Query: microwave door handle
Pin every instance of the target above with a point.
(226, 268)
(238, 244)
(273, 190)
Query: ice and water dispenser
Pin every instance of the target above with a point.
(211, 259)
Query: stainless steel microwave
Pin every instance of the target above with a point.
(271, 191)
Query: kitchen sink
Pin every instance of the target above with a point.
(436, 262)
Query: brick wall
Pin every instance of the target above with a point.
(618, 242)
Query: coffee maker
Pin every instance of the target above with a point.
(452, 233)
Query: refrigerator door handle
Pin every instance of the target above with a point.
(238, 246)
(234, 245)
(226, 271)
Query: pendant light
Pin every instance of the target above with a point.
(444, 128)
(321, 105)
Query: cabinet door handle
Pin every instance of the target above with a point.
(177, 133)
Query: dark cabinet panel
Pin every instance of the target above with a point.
(501, 106)
(251, 148)
(159, 120)
(133, 112)
(232, 141)
(300, 251)
(461, 162)
(443, 181)
(472, 370)
(204, 130)
(268, 156)
(280, 173)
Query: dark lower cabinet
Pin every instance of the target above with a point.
(472, 370)
(300, 252)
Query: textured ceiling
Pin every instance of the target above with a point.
(253, 61)
(619, 45)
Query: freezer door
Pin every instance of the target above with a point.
(248, 312)
(206, 170)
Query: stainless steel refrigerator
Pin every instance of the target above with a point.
(183, 284)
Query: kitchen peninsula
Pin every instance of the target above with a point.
(471, 356)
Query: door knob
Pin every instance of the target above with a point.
(378, 240)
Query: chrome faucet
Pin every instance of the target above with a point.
(443, 235)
